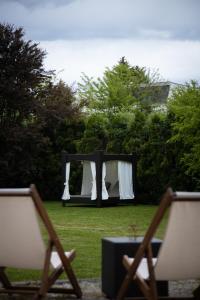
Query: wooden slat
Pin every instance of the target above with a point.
(166, 201)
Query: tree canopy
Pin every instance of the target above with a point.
(115, 91)
(116, 101)
(38, 117)
(184, 108)
(21, 73)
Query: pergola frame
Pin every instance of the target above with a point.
(99, 157)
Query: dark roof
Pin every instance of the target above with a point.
(156, 93)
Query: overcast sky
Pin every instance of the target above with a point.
(89, 35)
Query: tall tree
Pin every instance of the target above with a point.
(116, 91)
(113, 100)
(21, 72)
(59, 122)
(38, 118)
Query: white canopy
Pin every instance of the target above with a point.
(116, 175)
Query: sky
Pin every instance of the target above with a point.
(86, 36)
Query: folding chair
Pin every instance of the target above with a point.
(22, 245)
(179, 255)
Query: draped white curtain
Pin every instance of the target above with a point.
(117, 173)
(104, 190)
(89, 180)
(125, 180)
(86, 187)
(66, 194)
(94, 186)
(112, 178)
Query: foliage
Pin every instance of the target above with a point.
(111, 104)
(115, 91)
(60, 120)
(38, 118)
(21, 72)
(184, 108)
(124, 108)
(120, 114)
(118, 129)
(121, 120)
(154, 155)
(95, 135)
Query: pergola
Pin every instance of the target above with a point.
(106, 178)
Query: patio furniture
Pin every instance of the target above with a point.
(107, 179)
(113, 271)
(22, 245)
(179, 255)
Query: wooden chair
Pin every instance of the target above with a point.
(22, 246)
(179, 255)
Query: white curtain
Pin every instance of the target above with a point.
(125, 180)
(112, 178)
(94, 187)
(66, 194)
(89, 181)
(104, 190)
(86, 187)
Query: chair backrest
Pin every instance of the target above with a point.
(179, 255)
(21, 243)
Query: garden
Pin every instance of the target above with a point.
(41, 116)
(82, 228)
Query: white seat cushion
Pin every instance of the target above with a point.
(143, 267)
(55, 259)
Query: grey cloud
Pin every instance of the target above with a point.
(39, 3)
(87, 19)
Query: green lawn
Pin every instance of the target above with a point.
(82, 228)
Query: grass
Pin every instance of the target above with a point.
(83, 228)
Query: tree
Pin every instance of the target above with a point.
(95, 136)
(115, 92)
(114, 100)
(124, 117)
(60, 124)
(21, 72)
(184, 109)
(38, 118)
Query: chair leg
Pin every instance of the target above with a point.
(152, 279)
(145, 288)
(5, 281)
(44, 282)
